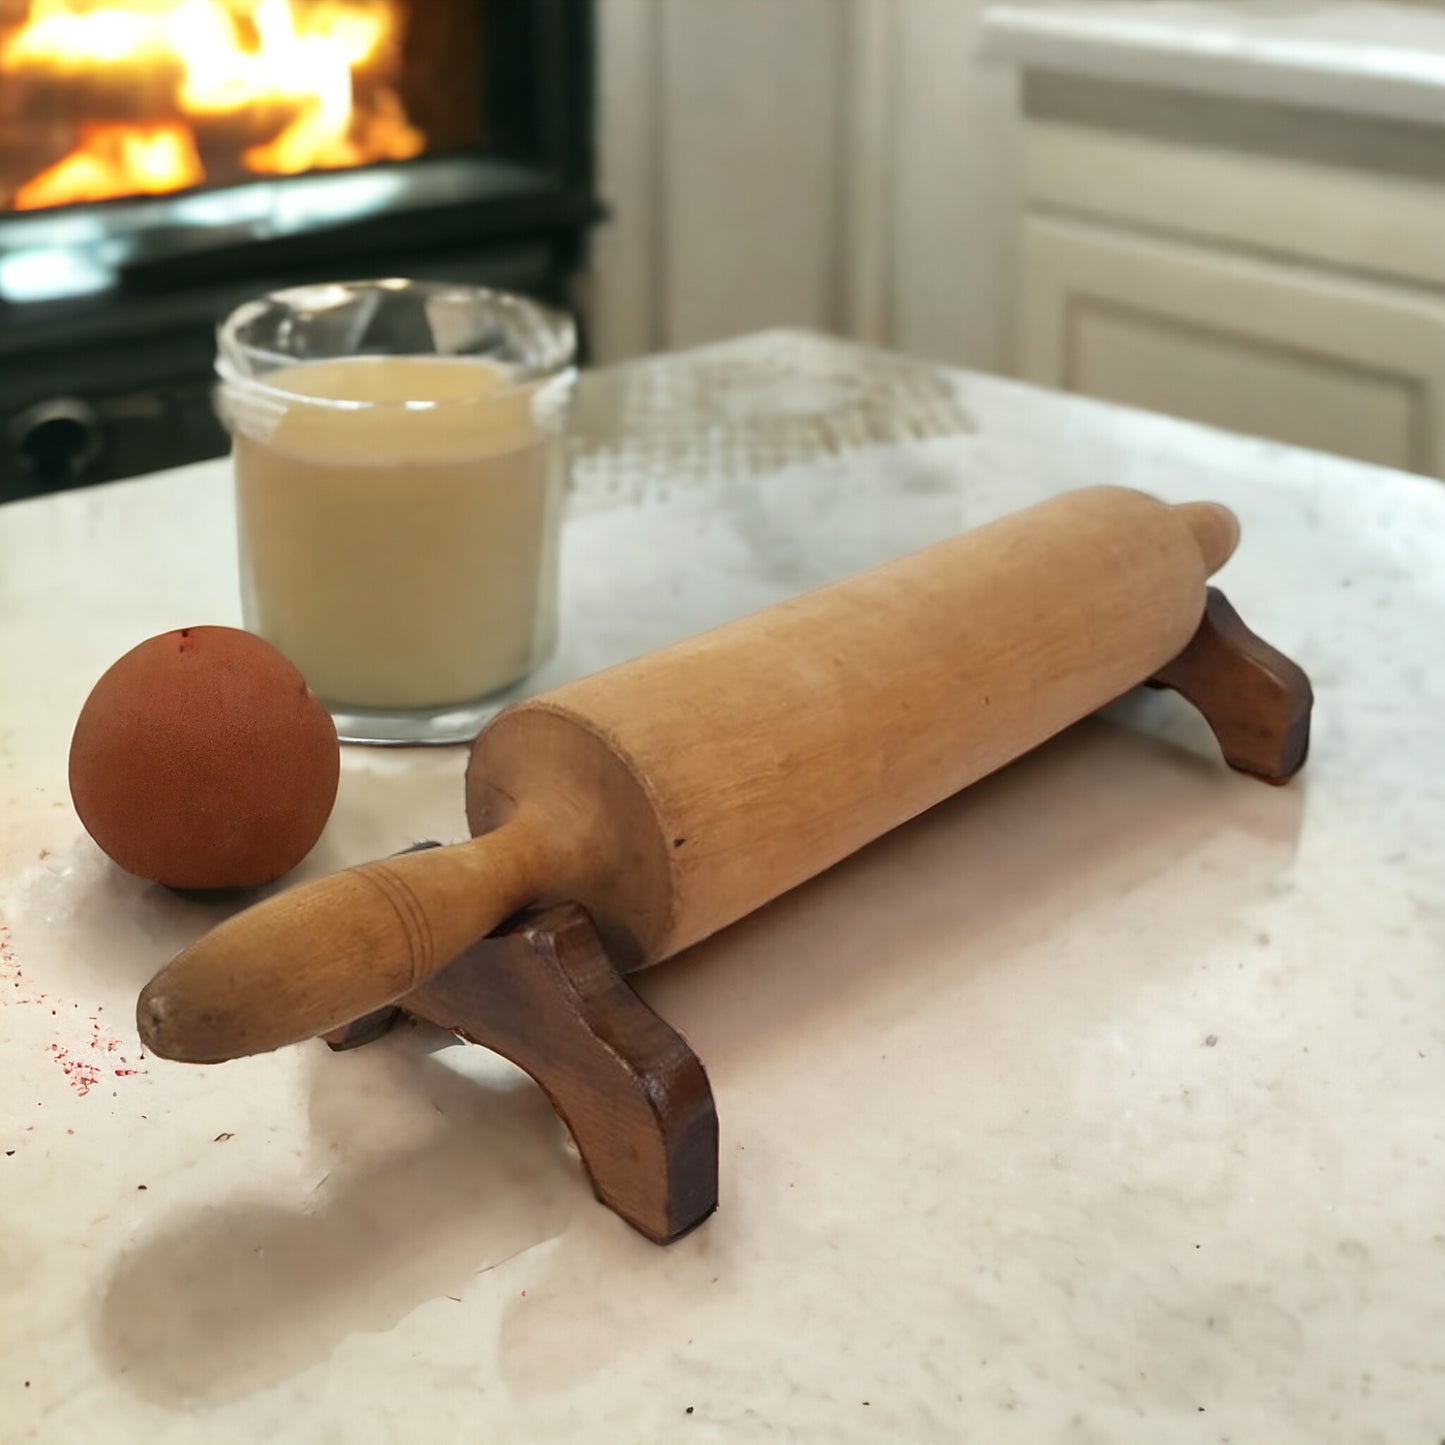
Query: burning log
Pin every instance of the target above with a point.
(126, 97)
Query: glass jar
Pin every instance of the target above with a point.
(400, 458)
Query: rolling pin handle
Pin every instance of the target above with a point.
(1215, 529)
(378, 1023)
(310, 959)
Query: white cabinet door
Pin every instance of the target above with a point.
(1282, 351)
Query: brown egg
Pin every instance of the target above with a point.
(202, 760)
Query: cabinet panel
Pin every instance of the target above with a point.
(1246, 384)
(1278, 351)
(1332, 191)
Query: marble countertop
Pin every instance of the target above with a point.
(1368, 57)
(1103, 1102)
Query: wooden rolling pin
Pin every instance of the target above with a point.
(676, 793)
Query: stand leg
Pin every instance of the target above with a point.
(545, 995)
(365, 1030)
(1256, 701)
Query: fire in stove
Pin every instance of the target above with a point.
(107, 98)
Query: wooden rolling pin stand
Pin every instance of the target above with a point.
(542, 992)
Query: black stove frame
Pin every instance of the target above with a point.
(117, 382)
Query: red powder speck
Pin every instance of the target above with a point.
(83, 1075)
(10, 970)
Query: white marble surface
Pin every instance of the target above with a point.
(1103, 1103)
(1368, 57)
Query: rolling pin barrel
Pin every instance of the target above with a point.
(676, 793)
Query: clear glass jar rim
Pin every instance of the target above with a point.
(557, 358)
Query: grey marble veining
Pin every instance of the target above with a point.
(1102, 1103)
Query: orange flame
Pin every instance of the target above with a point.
(116, 160)
(290, 67)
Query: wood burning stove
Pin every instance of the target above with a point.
(162, 160)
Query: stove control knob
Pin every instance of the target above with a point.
(56, 441)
